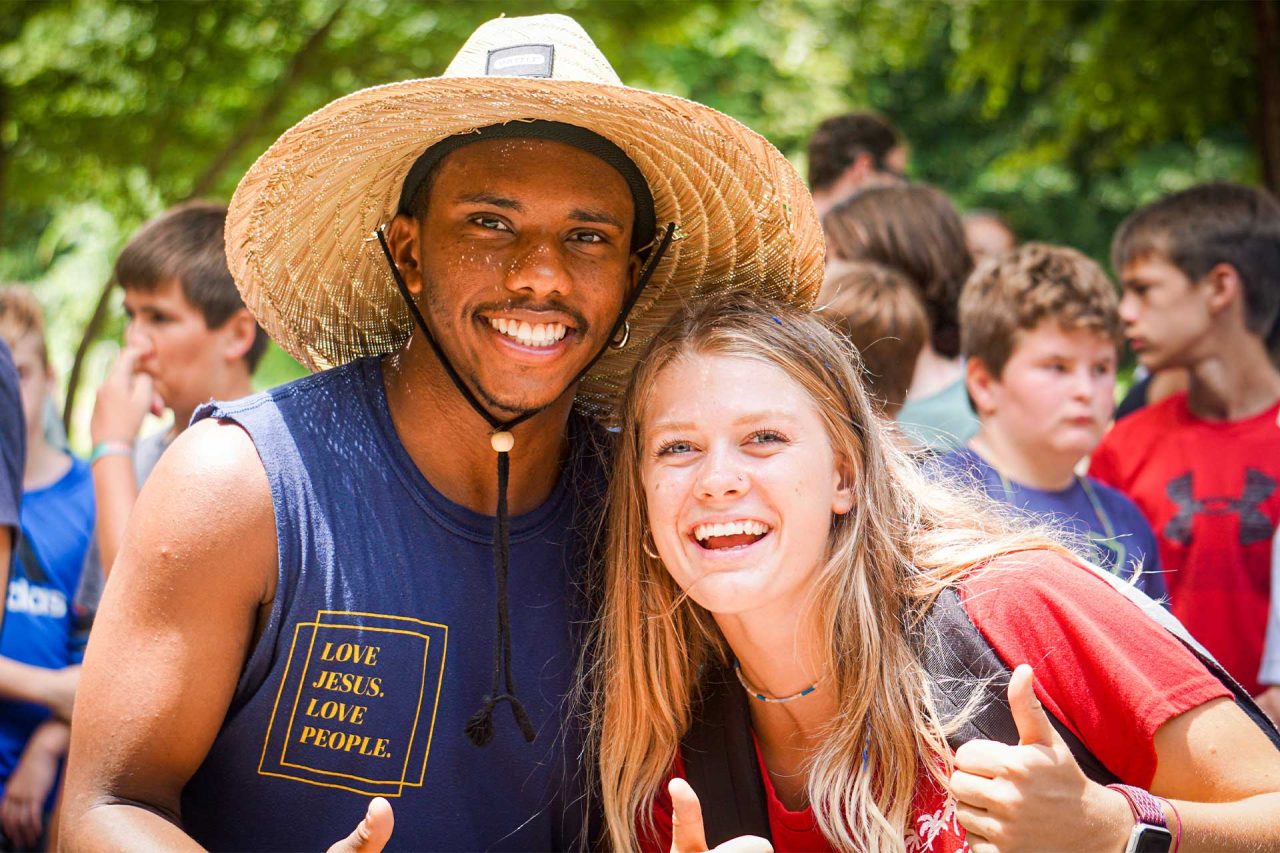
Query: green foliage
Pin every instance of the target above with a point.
(1061, 115)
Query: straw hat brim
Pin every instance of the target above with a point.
(300, 227)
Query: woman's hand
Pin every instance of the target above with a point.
(372, 833)
(1033, 796)
(687, 833)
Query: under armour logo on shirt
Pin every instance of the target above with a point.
(1254, 525)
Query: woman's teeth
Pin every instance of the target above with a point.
(703, 532)
(530, 334)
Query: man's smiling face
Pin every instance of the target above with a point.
(523, 259)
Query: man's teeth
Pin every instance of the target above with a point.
(531, 334)
(730, 528)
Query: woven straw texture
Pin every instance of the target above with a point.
(300, 229)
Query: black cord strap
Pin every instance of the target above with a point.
(479, 728)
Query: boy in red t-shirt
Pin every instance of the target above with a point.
(1201, 276)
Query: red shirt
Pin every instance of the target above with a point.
(1102, 667)
(1209, 490)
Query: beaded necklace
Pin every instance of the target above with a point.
(782, 700)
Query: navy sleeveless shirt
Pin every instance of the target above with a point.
(379, 645)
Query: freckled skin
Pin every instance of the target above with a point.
(730, 438)
(482, 257)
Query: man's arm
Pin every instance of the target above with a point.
(27, 789)
(196, 568)
(123, 400)
(53, 688)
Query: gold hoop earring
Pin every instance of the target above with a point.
(644, 545)
(626, 336)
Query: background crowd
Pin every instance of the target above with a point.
(996, 357)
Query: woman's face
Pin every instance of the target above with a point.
(741, 482)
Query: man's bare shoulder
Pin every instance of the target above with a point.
(208, 499)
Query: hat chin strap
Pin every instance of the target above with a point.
(479, 728)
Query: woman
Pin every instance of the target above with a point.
(760, 523)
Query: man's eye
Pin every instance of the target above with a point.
(588, 237)
(491, 222)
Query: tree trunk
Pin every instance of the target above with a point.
(269, 110)
(1266, 15)
(245, 134)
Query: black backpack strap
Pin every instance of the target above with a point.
(720, 761)
(961, 664)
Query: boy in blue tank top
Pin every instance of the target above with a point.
(1040, 327)
(362, 590)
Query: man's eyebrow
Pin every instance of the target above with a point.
(597, 216)
(490, 198)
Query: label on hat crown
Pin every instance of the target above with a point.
(525, 60)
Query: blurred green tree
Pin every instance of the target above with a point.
(1061, 115)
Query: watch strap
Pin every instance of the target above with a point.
(1145, 807)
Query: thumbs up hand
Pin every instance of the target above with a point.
(372, 833)
(687, 833)
(1033, 796)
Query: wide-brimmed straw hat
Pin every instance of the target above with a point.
(300, 230)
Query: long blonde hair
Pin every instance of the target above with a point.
(904, 542)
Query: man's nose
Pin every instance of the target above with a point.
(538, 269)
(1128, 308)
(137, 337)
(1082, 383)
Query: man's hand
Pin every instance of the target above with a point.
(1269, 701)
(372, 833)
(25, 793)
(687, 833)
(124, 398)
(1033, 796)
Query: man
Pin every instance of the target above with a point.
(190, 339)
(848, 152)
(43, 640)
(302, 615)
(1040, 328)
(987, 235)
(1201, 277)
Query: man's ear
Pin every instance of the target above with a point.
(402, 240)
(860, 170)
(241, 330)
(981, 386)
(1224, 288)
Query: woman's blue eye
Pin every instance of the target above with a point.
(674, 447)
(767, 436)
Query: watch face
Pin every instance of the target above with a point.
(1150, 839)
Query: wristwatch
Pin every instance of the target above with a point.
(1150, 832)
